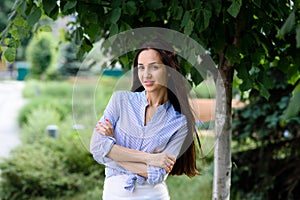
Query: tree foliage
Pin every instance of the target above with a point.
(41, 54)
(69, 64)
(5, 9)
(269, 168)
(252, 35)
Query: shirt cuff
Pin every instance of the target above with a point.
(155, 174)
(107, 145)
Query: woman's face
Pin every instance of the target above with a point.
(151, 70)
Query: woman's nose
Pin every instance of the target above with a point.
(147, 72)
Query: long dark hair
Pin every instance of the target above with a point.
(178, 97)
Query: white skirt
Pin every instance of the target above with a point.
(114, 190)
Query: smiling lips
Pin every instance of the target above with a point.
(148, 83)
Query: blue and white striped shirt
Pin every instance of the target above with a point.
(165, 132)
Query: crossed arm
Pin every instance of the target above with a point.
(134, 160)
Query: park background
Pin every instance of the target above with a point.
(265, 118)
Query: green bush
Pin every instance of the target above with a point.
(63, 108)
(51, 90)
(41, 54)
(41, 169)
(37, 121)
(266, 153)
(69, 64)
(45, 167)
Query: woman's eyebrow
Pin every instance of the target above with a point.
(149, 63)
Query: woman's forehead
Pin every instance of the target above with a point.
(149, 56)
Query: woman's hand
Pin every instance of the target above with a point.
(105, 128)
(162, 160)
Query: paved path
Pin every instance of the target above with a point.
(11, 101)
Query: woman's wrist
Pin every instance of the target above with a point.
(147, 158)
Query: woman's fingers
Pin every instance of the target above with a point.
(105, 128)
(109, 125)
(171, 157)
(163, 160)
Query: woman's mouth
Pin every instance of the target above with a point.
(148, 83)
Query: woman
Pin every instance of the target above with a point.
(147, 133)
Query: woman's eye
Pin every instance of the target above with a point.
(141, 67)
(154, 67)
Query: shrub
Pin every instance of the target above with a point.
(47, 167)
(37, 121)
(51, 90)
(37, 170)
(41, 54)
(267, 153)
(62, 107)
(69, 63)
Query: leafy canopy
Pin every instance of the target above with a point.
(250, 36)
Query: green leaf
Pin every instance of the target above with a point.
(196, 77)
(234, 8)
(206, 18)
(178, 12)
(10, 54)
(130, 8)
(188, 29)
(154, 4)
(297, 4)
(116, 3)
(85, 47)
(293, 74)
(92, 30)
(257, 3)
(19, 21)
(298, 36)
(263, 91)
(48, 6)
(266, 80)
(69, 5)
(288, 25)
(244, 75)
(45, 28)
(283, 64)
(34, 16)
(232, 54)
(6, 41)
(113, 29)
(216, 6)
(14, 32)
(115, 15)
(150, 14)
(78, 36)
(293, 107)
(185, 19)
(124, 27)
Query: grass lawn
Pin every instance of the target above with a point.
(183, 187)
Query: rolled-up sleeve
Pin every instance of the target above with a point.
(157, 174)
(101, 145)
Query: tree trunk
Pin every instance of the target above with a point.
(222, 149)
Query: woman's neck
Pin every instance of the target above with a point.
(157, 98)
